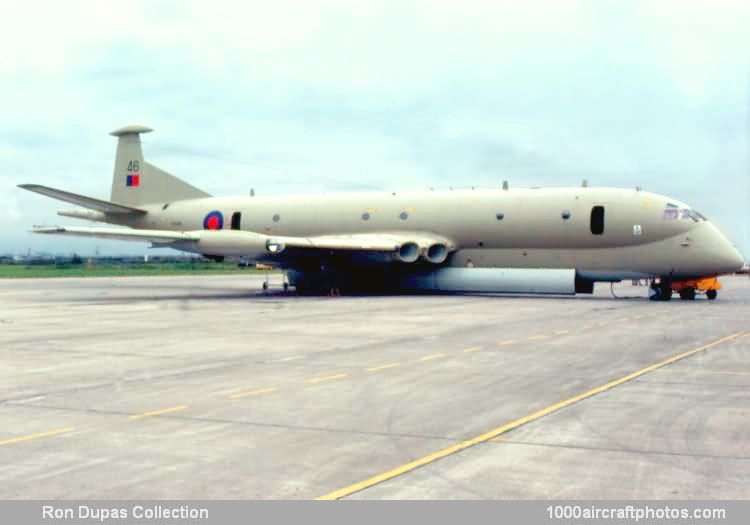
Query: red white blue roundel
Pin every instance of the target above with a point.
(213, 221)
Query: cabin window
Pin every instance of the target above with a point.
(365, 216)
(276, 218)
(597, 220)
(499, 216)
(403, 216)
(565, 215)
(236, 220)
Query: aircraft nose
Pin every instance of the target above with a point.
(735, 259)
(727, 256)
(715, 251)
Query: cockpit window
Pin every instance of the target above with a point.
(672, 212)
(689, 214)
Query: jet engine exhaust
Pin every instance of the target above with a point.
(437, 253)
(408, 252)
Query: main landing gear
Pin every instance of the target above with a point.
(688, 290)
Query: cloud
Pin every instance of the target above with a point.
(348, 96)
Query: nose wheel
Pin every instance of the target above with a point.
(661, 291)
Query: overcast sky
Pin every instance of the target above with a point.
(319, 96)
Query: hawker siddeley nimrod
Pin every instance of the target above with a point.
(539, 240)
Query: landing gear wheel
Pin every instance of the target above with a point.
(661, 291)
(265, 286)
(654, 293)
(286, 287)
(665, 289)
(687, 294)
(711, 294)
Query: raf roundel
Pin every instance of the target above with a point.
(213, 221)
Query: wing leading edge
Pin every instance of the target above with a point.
(404, 246)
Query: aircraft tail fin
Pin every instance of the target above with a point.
(136, 182)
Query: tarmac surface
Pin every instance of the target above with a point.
(203, 387)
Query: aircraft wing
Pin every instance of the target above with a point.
(81, 200)
(403, 246)
(347, 242)
(360, 242)
(155, 236)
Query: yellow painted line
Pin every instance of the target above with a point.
(508, 342)
(431, 357)
(602, 323)
(472, 349)
(248, 393)
(322, 379)
(638, 316)
(492, 434)
(29, 437)
(159, 412)
(383, 367)
(537, 337)
(562, 332)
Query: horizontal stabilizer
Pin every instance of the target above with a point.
(155, 236)
(81, 200)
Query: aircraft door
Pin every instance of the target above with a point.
(237, 220)
(597, 222)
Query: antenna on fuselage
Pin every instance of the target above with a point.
(252, 192)
(585, 183)
(505, 185)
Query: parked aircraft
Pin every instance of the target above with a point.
(539, 240)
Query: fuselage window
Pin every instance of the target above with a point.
(565, 214)
(236, 220)
(597, 220)
(499, 216)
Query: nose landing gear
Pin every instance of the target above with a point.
(661, 291)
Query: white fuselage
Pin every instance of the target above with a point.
(603, 233)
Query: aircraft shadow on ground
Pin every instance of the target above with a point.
(208, 295)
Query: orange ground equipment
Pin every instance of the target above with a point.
(688, 289)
